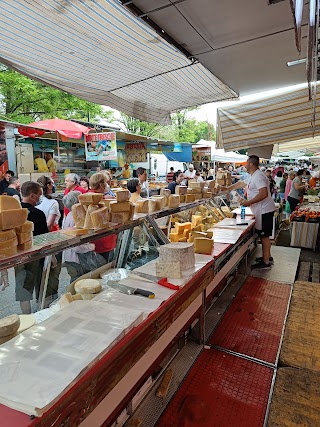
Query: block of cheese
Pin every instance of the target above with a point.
(183, 198)
(162, 199)
(186, 233)
(199, 227)
(7, 235)
(123, 195)
(27, 227)
(152, 205)
(120, 217)
(207, 195)
(142, 206)
(8, 252)
(174, 237)
(87, 286)
(90, 198)
(13, 217)
(209, 234)
(189, 190)
(197, 196)
(8, 243)
(158, 205)
(196, 219)
(179, 226)
(26, 245)
(100, 218)
(88, 221)
(196, 190)
(119, 206)
(171, 269)
(181, 189)
(165, 192)
(8, 203)
(174, 252)
(79, 215)
(75, 231)
(174, 201)
(9, 325)
(203, 245)
(190, 198)
(24, 237)
(105, 203)
(195, 234)
(194, 184)
(182, 239)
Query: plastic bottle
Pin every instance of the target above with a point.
(243, 212)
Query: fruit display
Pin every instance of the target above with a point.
(305, 215)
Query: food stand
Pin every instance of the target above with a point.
(111, 381)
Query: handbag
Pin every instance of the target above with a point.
(90, 261)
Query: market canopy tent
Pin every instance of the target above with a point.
(268, 121)
(220, 155)
(99, 51)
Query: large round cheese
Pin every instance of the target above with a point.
(87, 286)
(177, 252)
(9, 325)
(26, 322)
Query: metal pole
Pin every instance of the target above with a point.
(44, 280)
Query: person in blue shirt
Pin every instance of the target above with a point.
(178, 177)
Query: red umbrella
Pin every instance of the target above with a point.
(63, 127)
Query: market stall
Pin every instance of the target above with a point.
(107, 382)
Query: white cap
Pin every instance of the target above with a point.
(191, 166)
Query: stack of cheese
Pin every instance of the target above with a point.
(9, 327)
(93, 212)
(175, 258)
(15, 231)
(224, 178)
(86, 289)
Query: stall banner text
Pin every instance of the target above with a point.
(201, 154)
(136, 152)
(101, 146)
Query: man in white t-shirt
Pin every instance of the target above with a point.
(262, 206)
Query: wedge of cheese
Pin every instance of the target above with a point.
(79, 214)
(88, 221)
(100, 218)
(174, 201)
(203, 245)
(142, 206)
(162, 200)
(90, 198)
(181, 189)
(8, 203)
(27, 227)
(87, 286)
(190, 198)
(120, 217)
(170, 269)
(123, 195)
(12, 218)
(119, 206)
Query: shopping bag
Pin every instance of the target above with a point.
(287, 207)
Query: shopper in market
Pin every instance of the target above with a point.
(126, 172)
(51, 163)
(40, 164)
(178, 178)
(134, 186)
(190, 173)
(169, 177)
(28, 276)
(72, 183)
(78, 259)
(106, 245)
(84, 183)
(142, 177)
(13, 188)
(297, 190)
(282, 187)
(262, 206)
(5, 182)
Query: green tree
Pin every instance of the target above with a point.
(139, 127)
(24, 100)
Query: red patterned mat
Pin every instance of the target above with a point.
(253, 323)
(221, 390)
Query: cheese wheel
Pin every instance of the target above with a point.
(26, 245)
(79, 215)
(3, 340)
(87, 297)
(87, 286)
(13, 217)
(123, 195)
(182, 252)
(100, 218)
(170, 269)
(9, 325)
(90, 198)
(27, 227)
(24, 237)
(7, 235)
(8, 203)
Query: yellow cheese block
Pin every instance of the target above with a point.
(123, 195)
(79, 214)
(26, 245)
(203, 245)
(174, 237)
(8, 252)
(181, 189)
(13, 217)
(179, 226)
(162, 200)
(165, 192)
(194, 184)
(190, 198)
(120, 217)
(174, 201)
(195, 234)
(9, 325)
(196, 220)
(183, 198)
(8, 203)
(90, 198)
(199, 227)
(186, 233)
(100, 218)
(182, 239)
(88, 221)
(207, 195)
(209, 234)
(27, 227)
(24, 237)
(75, 231)
(119, 206)
(8, 243)
(7, 235)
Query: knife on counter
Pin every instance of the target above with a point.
(129, 290)
(154, 279)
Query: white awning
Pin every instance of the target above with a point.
(220, 155)
(99, 51)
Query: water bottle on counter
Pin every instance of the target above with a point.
(243, 212)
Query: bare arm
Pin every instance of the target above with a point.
(236, 186)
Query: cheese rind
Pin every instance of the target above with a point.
(8, 252)
(119, 206)
(165, 192)
(88, 221)
(123, 195)
(26, 245)
(24, 237)
(12, 218)
(7, 235)
(90, 198)
(27, 227)
(100, 218)
(8, 243)
(9, 325)
(87, 286)
(162, 200)
(174, 201)
(79, 214)
(170, 269)
(8, 203)
(177, 252)
(120, 217)
(203, 245)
